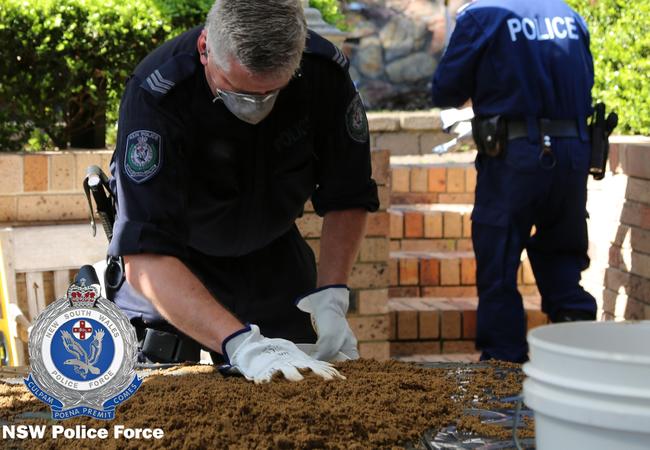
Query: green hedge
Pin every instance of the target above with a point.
(60, 59)
(331, 11)
(620, 44)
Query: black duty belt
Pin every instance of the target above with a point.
(552, 128)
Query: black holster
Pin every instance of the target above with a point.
(114, 275)
(600, 128)
(490, 135)
(96, 187)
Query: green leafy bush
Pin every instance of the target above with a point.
(620, 44)
(331, 11)
(183, 14)
(63, 63)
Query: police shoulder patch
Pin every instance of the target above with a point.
(356, 121)
(143, 156)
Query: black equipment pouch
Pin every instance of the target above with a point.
(490, 135)
(600, 128)
(160, 346)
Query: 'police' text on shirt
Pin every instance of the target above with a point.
(543, 28)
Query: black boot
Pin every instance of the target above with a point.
(573, 315)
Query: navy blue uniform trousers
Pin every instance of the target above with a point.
(514, 193)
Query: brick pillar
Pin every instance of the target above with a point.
(628, 274)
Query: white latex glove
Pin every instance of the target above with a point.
(328, 306)
(257, 358)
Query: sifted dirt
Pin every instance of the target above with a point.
(380, 405)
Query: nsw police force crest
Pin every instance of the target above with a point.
(83, 352)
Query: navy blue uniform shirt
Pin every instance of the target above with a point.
(517, 59)
(189, 174)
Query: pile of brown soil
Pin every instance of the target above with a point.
(380, 405)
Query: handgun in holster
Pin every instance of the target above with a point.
(600, 128)
(490, 135)
(97, 188)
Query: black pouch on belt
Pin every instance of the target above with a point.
(490, 135)
(600, 128)
(163, 347)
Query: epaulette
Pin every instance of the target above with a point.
(163, 79)
(318, 45)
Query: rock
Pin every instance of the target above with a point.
(401, 36)
(394, 46)
(349, 48)
(369, 59)
(361, 29)
(437, 26)
(409, 98)
(375, 92)
(416, 9)
(355, 75)
(416, 67)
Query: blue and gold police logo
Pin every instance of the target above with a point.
(143, 155)
(83, 352)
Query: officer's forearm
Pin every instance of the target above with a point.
(181, 298)
(340, 241)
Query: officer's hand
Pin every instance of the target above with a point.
(328, 307)
(258, 358)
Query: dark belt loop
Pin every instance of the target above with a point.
(532, 124)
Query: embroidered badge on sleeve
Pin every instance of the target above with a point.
(143, 155)
(356, 120)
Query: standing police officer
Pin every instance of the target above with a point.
(224, 133)
(527, 68)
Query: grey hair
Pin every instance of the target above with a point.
(267, 37)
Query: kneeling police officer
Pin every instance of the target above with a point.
(224, 133)
(528, 70)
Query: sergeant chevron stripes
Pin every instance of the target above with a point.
(158, 83)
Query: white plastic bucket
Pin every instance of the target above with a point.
(588, 384)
